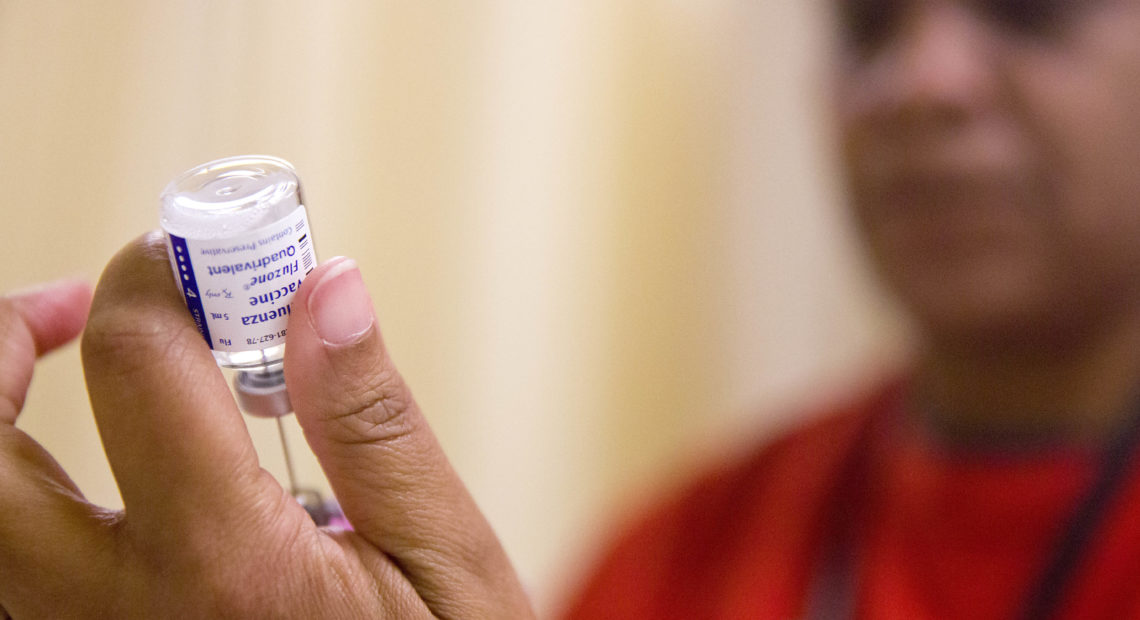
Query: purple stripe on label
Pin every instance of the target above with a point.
(185, 270)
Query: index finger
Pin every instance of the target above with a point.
(175, 440)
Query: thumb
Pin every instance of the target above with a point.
(387, 469)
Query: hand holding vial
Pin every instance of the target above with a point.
(205, 532)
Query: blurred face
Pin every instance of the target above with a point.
(992, 149)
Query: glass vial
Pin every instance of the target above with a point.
(238, 236)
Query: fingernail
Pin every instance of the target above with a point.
(339, 307)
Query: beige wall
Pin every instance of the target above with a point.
(601, 235)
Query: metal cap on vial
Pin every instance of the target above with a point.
(262, 393)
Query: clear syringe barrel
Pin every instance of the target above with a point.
(240, 245)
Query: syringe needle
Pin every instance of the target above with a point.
(288, 456)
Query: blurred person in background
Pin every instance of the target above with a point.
(991, 148)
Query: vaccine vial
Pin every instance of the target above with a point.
(239, 241)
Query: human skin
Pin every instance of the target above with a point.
(992, 173)
(991, 150)
(205, 532)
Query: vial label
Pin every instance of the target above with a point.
(239, 289)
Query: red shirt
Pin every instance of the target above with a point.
(939, 531)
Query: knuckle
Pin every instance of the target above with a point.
(379, 410)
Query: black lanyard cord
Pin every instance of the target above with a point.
(1072, 547)
(833, 591)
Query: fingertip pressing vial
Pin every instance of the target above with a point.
(239, 241)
